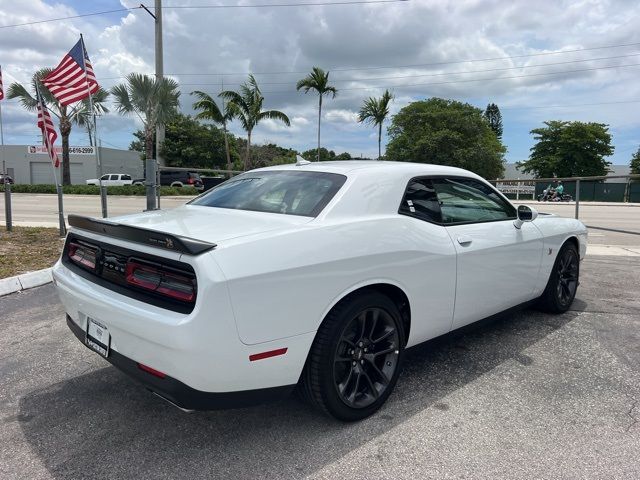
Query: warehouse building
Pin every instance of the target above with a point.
(30, 164)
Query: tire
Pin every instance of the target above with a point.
(563, 281)
(355, 359)
(177, 184)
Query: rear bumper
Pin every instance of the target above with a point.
(184, 396)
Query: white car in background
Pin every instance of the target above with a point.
(316, 276)
(112, 180)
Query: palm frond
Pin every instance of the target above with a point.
(275, 115)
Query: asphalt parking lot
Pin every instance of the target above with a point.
(528, 395)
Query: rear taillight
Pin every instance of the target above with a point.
(165, 283)
(83, 255)
(190, 181)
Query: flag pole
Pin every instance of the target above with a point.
(7, 185)
(92, 113)
(61, 223)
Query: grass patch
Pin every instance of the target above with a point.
(28, 248)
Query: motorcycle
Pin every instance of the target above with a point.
(548, 197)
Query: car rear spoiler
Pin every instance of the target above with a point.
(175, 243)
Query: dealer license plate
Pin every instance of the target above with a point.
(98, 337)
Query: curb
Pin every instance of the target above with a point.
(25, 281)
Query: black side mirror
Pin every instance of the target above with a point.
(525, 214)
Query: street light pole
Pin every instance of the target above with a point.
(159, 74)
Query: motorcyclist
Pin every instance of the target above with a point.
(559, 190)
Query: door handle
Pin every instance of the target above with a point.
(465, 240)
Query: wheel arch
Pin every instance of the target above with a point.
(390, 289)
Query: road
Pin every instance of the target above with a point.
(528, 395)
(42, 210)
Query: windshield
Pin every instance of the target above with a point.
(275, 191)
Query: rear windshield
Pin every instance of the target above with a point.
(275, 191)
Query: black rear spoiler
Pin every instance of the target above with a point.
(175, 243)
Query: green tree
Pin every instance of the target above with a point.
(635, 163)
(569, 149)
(153, 102)
(209, 110)
(374, 111)
(85, 117)
(317, 80)
(325, 155)
(446, 132)
(67, 115)
(494, 117)
(188, 143)
(246, 106)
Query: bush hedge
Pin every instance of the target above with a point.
(94, 190)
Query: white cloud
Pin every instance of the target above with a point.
(202, 44)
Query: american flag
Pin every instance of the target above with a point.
(73, 80)
(1, 87)
(49, 135)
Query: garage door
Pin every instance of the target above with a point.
(41, 172)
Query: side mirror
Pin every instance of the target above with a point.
(525, 214)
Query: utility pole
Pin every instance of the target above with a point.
(159, 74)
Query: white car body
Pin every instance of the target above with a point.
(111, 180)
(272, 278)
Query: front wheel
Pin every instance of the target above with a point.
(355, 359)
(563, 282)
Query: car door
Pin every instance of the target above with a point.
(497, 263)
(431, 276)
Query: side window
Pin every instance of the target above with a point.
(104, 177)
(126, 177)
(114, 177)
(468, 200)
(420, 201)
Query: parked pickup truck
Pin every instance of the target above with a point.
(112, 180)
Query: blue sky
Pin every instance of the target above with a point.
(526, 41)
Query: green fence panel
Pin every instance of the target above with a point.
(634, 192)
(609, 192)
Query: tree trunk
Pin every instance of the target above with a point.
(226, 146)
(379, 139)
(247, 157)
(65, 131)
(148, 142)
(319, 117)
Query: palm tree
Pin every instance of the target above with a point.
(153, 101)
(317, 80)
(209, 110)
(374, 111)
(84, 118)
(66, 114)
(246, 106)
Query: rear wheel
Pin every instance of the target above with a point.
(563, 281)
(355, 359)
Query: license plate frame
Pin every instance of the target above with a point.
(97, 337)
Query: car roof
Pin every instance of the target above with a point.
(351, 167)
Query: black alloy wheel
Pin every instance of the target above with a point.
(366, 357)
(563, 281)
(355, 359)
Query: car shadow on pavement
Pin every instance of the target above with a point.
(102, 424)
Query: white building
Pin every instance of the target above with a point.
(30, 164)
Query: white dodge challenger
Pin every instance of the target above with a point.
(316, 276)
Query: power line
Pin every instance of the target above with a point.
(404, 76)
(281, 5)
(439, 74)
(195, 7)
(420, 65)
(487, 79)
(35, 22)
